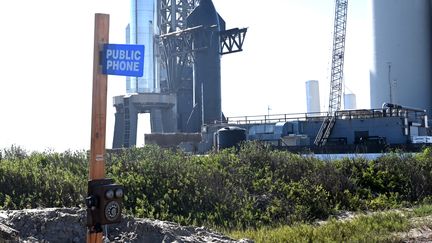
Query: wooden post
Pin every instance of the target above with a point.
(99, 107)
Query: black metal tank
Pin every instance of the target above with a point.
(228, 137)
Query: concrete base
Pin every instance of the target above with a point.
(162, 109)
(170, 140)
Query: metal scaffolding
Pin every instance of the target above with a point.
(336, 77)
(172, 14)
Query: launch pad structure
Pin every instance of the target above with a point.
(182, 91)
(188, 40)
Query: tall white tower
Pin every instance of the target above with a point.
(402, 54)
(312, 96)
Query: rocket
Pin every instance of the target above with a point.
(206, 67)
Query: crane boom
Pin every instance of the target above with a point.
(336, 77)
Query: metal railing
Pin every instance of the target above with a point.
(274, 118)
(320, 116)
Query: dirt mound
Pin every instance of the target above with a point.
(68, 225)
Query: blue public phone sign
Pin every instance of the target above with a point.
(123, 60)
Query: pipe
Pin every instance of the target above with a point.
(396, 106)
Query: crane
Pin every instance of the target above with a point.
(336, 77)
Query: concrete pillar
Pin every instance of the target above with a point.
(156, 121)
(118, 127)
(131, 124)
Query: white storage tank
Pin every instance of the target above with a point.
(350, 102)
(401, 57)
(312, 96)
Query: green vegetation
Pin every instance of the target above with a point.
(251, 188)
(45, 179)
(375, 228)
(378, 227)
(423, 210)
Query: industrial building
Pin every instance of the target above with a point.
(181, 89)
(369, 129)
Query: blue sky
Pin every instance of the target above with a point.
(46, 51)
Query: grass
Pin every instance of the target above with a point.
(423, 210)
(379, 227)
(421, 216)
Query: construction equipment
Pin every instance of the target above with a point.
(336, 77)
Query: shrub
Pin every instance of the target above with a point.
(42, 179)
(250, 187)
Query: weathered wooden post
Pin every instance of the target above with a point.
(99, 107)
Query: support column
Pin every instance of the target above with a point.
(118, 127)
(156, 121)
(169, 118)
(130, 123)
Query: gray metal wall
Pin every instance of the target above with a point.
(389, 127)
(401, 43)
